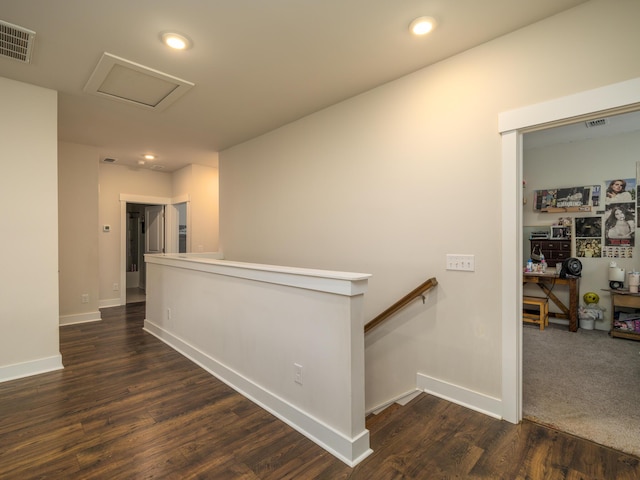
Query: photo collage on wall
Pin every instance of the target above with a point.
(611, 235)
(619, 221)
(611, 232)
(589, 237)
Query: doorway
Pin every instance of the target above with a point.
(623, 96)
(161, 232)
(144, 234)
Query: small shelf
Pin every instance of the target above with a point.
(623, 299)
(583, 208)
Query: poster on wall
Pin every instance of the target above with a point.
(589, 227)
(571, 199)
(589, 237)
(618, 252)
(621, 190)
(589, 247)
(620, 224)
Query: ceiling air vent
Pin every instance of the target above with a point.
(16, 42)
(598, 122)
(109, 160)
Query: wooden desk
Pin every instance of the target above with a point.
(546, 282)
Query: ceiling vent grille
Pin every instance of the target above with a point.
(16, 42)
(599, 122)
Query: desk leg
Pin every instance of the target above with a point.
(573, 305)
(570, 313)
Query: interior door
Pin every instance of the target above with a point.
(154, 226)
(153, 236)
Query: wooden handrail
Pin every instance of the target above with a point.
(403, 302)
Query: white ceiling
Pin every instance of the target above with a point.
(580, 131)
(256, 64)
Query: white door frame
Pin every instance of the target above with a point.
(169, 226)
(611, 99)
(172, 218)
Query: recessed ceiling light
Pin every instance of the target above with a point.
(176, 41)
(422, 25)
(148, 156)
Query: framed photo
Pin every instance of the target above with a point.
(558, 231)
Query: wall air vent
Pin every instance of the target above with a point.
(598, 122)
(125, 81)
(16, 42)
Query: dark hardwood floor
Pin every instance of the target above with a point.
(128, 407)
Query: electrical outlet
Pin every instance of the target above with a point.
(465, 263)
(297, 373)
(116, 287)
(85, 298)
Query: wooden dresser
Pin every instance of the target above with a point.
(554, 250)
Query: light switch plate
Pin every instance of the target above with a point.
(465, 263)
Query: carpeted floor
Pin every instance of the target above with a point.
(585, 383)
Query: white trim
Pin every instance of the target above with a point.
(611, 97)
(350, 450)
(140, 199)
(33, 367)
(80, 318)
(129, 198)
(618, 95)
(184, 198)
(511, 259)
(400, 399)
(467, 398)
(173, 220)
(109, 302)
(340, 283)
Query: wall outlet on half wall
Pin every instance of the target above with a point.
(297, 373)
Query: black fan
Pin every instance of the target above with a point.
(571, 267)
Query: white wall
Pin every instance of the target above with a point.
(588, 162)
(29, 212)
(115, 180)
(78, 232)
(201, 184)
(250, 324)
(390, 181)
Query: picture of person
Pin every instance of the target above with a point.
(588, 247)
(617, 191)
(572, 197)
(589, 227)
(619, 223)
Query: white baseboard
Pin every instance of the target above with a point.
(80, 318)
(400, 399)
(350, 450)
(467, 398)
(33, 367)
(109, 302)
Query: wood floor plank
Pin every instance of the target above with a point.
(127, 406)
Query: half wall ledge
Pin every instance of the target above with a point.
(290, 339)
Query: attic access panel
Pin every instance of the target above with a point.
(125, 81)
